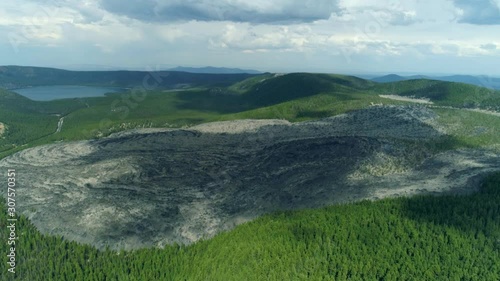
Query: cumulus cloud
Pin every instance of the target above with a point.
(86, 11)
(258, 11)
(489, 46)
(404, 18)
(385, 13)
(480, 12)
(251, 39)
(277, 34)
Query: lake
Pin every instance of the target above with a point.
(47, 93)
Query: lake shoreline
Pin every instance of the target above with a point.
(57, 92)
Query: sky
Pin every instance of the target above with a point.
(330, 36)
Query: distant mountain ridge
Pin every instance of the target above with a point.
(482, 81)
(389, 78)
(12, 77)
(214, 70)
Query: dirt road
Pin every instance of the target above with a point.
(59, 125)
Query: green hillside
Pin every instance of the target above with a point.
(294, 97)
(444, 93)
(25, 120)
(421, 238)
(299, 85)
(12, 77)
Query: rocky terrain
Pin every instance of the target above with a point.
(150, 187)
(409, 99)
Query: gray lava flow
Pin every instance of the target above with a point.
(152, 187)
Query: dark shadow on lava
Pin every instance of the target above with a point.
(181, 166)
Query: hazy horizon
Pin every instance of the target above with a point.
(365, 37)
(365, 75)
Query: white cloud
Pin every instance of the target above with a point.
(352, 33)
(480, 12)
(171, 34)
(489, 46)
(258, 11)
(248, 38)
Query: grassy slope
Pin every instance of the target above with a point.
(444, 93)
(471, 129)
(295, 97)
(29, 122)
(263, 97)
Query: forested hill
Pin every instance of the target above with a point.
(12, 77)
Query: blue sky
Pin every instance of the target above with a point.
(335, 36)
